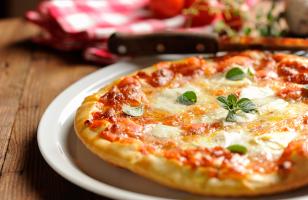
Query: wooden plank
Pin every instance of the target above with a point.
(14, 67)
(25, 175)
(15, 8)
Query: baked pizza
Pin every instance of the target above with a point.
(234, 125)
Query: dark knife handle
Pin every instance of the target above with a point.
(162, 43)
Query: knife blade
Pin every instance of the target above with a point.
(193, 42)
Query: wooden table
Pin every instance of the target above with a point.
(30, 78)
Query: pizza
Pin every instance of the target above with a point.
(233, 125)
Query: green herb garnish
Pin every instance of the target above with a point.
(187, 98)
(235, 74)
(250, 72)
(247, 31)
(233, 105)
(237, 148)
(269, 23)
(133, 111)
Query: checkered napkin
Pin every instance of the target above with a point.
(86, 24)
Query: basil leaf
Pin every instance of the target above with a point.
(133, 111)
(246, 105)
(232, 101)
(250, 72)
(231, 117)
(247, 31)
(235, 74)
(305, 87)
(237, 148)
(187, 98)
(233, 105)
(223, 101)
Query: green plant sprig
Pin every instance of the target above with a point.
(233, 105)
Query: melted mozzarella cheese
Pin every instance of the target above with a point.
(232, 137)
(225, 81)
(223, 138)
(167, 98)
(220, 81)
(272, 104)
(273, 144)
(253, 92)
(216, 115)
(269, 144)
(163, 131)
(264, 98)
(276, 140)
(245, 117)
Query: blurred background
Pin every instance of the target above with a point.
(14, 8)
(89, 23)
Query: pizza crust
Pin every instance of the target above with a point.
(179, 176)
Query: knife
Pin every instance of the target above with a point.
(124, 44)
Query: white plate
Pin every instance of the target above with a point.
(67, 156)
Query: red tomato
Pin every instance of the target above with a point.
(233, 19)
(188, 3)
(166, 8)
(205, 15)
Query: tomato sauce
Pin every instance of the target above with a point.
(295, 71)
(189, 66)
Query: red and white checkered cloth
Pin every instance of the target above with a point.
(87, 24)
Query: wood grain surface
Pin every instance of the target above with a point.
(30, 78)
